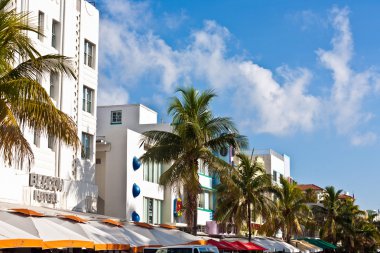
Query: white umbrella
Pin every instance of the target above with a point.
(52, 234)
(273, 245)
(305, 246)
(13, 237)
(125, 236)
(162, 236)
(101, 239)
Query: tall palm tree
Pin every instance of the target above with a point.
(245, 194)
(195, 135)
(23, 101)
(292, 211)
(331, 204)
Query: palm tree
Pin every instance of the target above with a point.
(292, 211)
(195, 135)
(331, 203)
(23, 101)
(245, 194)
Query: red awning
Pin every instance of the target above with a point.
(246, 246)
(253, 246)
(236, 245)
(221, 245)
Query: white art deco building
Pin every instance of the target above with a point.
(60, 177)
(126, 191)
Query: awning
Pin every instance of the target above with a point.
(237, 245)
(125, 236)
(162, 236)
(273, 245)
(253, 246)
(320, 243)
(305, 246)
(101, 239)
(249, 245)
(221, 245)
(13, 237)
(52, 234)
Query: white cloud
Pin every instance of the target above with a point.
(263, 101)
(174, 21)
(350, 87)
(308, 20)
(112, 96)
(363, 139)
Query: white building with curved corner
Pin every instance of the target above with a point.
(61, 177)
(120, 129)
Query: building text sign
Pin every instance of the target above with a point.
(45, 187)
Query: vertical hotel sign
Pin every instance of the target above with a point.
(46, 188)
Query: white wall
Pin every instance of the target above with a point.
(75, 25)
(124, 140)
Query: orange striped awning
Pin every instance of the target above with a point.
(28, 212)
(113, 222)
(73, 218)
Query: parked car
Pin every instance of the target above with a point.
(185, 249)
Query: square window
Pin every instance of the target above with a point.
(116, 117)
(88, 95)
(89, 54)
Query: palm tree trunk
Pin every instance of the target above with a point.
(249, 223)
(195, 221)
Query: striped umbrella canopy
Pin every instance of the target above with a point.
(13, 237)
(52, 234)
(101, 239)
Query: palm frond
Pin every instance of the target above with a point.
(13, 144)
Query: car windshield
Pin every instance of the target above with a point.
(179, 250)
(208, 250)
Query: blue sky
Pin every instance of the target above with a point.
(300, 77)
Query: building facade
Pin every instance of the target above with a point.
(275, 164)
(125, 189)
(128, 189)
(61, 177)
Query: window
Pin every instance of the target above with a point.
(54, 80)
(89, 54)
(202, 168)
(152, 172)
(41, 22)
(86, 145)
(203, 200)
(152, 210)
(51, 142)
(87, 99)
(275, 176)
(36, 139)
(116, 117)
(54, 34)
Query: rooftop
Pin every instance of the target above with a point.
(305, 187)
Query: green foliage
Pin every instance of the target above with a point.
(341, 221)
(196, 133)
(23, 101)
(245, 194)
(291, 211)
